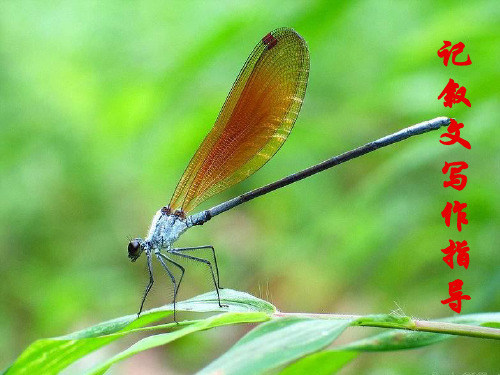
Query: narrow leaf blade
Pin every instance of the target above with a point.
(400, 340)
(165, 338)
(276, 343)
(51, 355)
(323, 363)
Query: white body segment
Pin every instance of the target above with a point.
(165, 230)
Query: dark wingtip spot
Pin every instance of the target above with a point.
(270, 41)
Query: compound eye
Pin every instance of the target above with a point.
(134, 249)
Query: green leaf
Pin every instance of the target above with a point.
(269, 346)
(385, 320)
(322, 363)
(236, 301)
(395, 340)
(400, 339)
(276, 343)
(491, 319)
(165, 338)
(49, 356)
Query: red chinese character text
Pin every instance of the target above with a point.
(454, 94)
(460, 248)
(457, 180)
(456, 50)
(456, 208)
(456, 296)
(454, 135)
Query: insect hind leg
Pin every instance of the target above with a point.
(180, 252)
(198, 259)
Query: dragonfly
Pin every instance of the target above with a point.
(254, 122)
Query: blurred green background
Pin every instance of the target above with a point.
(102, 105)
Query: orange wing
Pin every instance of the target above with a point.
(254, 122)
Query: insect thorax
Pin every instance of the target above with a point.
(165, 230)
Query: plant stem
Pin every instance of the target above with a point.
(408, 324)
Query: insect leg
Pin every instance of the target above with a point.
(179, 252)
(183, 249)
(161, 257)
(151, 281)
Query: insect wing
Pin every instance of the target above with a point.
(254, 122)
